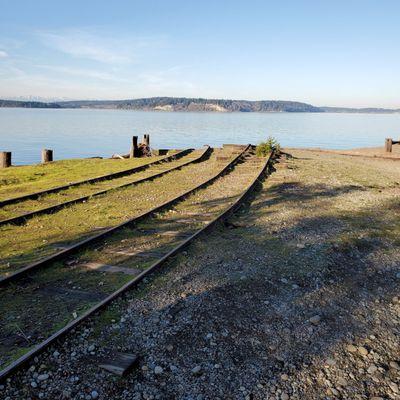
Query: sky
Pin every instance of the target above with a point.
(327, 53)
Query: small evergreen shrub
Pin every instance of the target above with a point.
(264, 148)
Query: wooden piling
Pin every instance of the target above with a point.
(134, 148)
(146, 140)
(47, 155)
(388, 145)
(5, 159)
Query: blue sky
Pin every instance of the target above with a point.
(338, 53)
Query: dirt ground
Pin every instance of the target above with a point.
(296, 298)
(378, 152)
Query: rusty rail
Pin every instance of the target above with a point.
(47, 210)
(113, 175)
(40, 348)
(92, 239)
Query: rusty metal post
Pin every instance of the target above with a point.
(5, 159)
(47, 155)
(134, 148)
(388, 145)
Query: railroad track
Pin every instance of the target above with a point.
(118, 174)
(21, 272)
(154, 240)
(150, 173)
(49, 234)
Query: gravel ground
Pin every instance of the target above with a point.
(297, 297)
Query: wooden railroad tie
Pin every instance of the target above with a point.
(119, 363)
(113, 269)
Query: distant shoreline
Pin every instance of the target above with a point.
(182, 104)
(202, 112)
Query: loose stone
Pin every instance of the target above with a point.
(196, 370)
(372, 369)
(394, 387)
(342, 382)
(351, 348)
(158, 370)
(315, 320)
(284, 377)
(43, 377)
(394, 365)
(330, 362)
(363, 351)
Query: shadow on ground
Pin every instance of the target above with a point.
(259, 291)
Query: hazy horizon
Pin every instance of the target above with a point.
(339, 54)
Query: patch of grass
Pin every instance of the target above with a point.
(17, 353)
(264, 148)
(106, 317)
(16, 181)
(43, 235)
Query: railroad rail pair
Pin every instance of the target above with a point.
(50, 209)
(118, 174)
(14, 366)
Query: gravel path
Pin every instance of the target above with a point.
(297, 298)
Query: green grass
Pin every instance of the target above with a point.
(43, 235)
(16, 181)
(75, 192)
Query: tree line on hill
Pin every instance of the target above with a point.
(193, 104)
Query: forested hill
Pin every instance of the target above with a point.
(27, 104)
(192, 104)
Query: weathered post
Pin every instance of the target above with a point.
(47, 155)
(388, 145)
(5, 159)
(134, 148)
(146, 140)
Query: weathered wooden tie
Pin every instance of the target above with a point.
(113, 269)
(119, 363)
(160, 152)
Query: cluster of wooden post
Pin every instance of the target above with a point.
(135, 147)
(389, 142)
(5, 157)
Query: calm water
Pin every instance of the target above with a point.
(86, 133)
